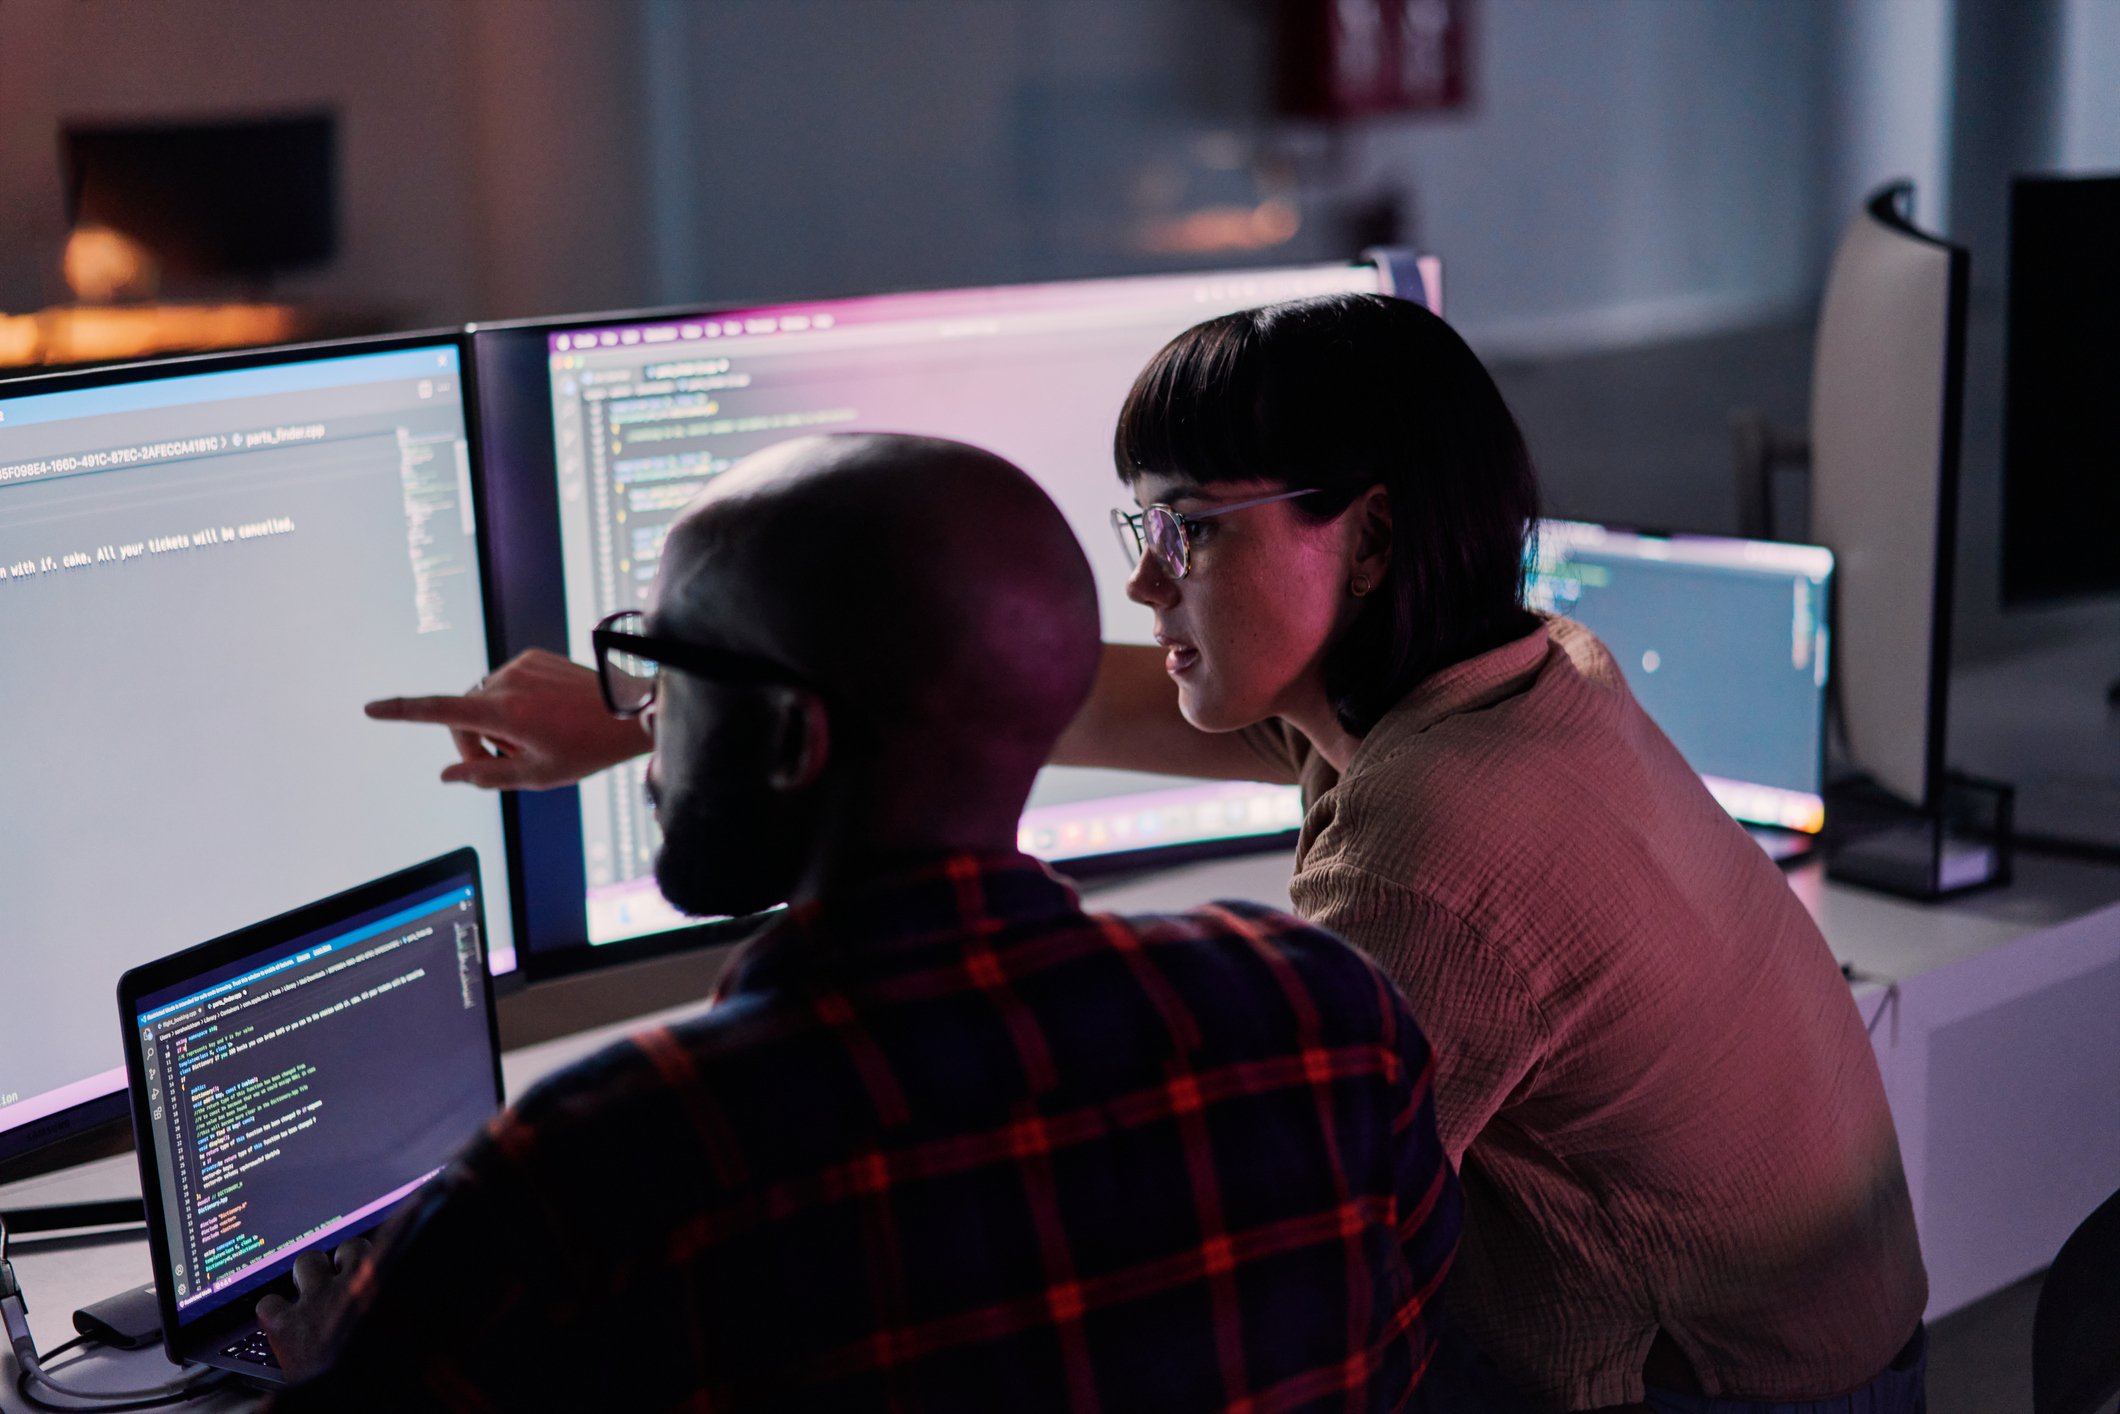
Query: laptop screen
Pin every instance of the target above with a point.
(301, 1077)
(1722, 641)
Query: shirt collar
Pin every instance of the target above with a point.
(891, 921)
(1479, 681)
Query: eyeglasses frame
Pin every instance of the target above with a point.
(1133, 526)
(718, 664)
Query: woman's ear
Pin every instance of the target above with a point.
(801, 738)
(1370, 517)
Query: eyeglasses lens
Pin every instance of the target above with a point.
(1166, 539)
(629, 679)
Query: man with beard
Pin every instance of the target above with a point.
(943, 1140)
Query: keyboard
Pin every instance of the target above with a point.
(253, 1349)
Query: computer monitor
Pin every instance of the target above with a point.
(1723, 642)
(1887, 412)
(206, 566)
(600, 431)
(2061, 423)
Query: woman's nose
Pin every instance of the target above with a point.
(1150, 583)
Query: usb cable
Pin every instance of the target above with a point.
(29, 1365)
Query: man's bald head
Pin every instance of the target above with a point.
(929, 588)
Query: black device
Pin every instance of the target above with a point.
(241, 198)
(131, 1320)
(277, 1106)
(2061, 422)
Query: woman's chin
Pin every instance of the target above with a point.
(1209, 712)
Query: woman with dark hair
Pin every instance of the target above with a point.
(1681, 1176)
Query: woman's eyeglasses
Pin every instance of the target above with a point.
(630, 662)
(1160, 531)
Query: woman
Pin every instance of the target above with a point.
(1678, 1162)
(1679, 1168)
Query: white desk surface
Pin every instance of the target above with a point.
(1880, 935)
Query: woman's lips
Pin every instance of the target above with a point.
(1178, 657)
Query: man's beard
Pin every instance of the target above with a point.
(718, 862)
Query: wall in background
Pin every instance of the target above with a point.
(487, 158)
(1626, 169)
(390, 68)
(1632, 170)
(2090, 90)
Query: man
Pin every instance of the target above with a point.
(944, 1141)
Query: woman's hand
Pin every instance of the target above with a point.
(537, 722)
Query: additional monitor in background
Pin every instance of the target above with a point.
(1723, 642)
(2061, 423)
(1886, 406)
(242, 199)
(600, 432)
(206, 567)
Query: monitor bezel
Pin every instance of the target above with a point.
(101, 1127)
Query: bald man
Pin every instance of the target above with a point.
(943, 1141)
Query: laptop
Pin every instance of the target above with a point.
(294, 1082)
(1724, 643)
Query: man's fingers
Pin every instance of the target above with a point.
(312, 1271)
(351, 1253)
(471, 713)
(470, 745)
(494, 773)
(272, 1310)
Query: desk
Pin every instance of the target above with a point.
(2000, 1052)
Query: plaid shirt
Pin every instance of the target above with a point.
(949, 1144)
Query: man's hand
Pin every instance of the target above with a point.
(539, 721)
(301, 1330)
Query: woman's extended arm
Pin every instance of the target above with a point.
(1132, 723)
(540, 722)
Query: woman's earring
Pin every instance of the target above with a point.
(1359, 588)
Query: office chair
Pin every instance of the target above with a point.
(2076, 1327)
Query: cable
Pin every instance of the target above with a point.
(1856, 975)
(29, 1366)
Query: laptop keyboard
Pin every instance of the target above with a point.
(253, 1349)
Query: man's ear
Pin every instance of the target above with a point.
(801, 740)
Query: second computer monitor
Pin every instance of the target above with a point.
(1723, 642)
(638, 414)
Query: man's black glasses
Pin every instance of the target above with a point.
(629, 662)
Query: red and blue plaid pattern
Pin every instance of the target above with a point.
(949, 1145)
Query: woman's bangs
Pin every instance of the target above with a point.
(1195, 411)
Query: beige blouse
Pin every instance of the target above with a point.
(1660, 1096)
